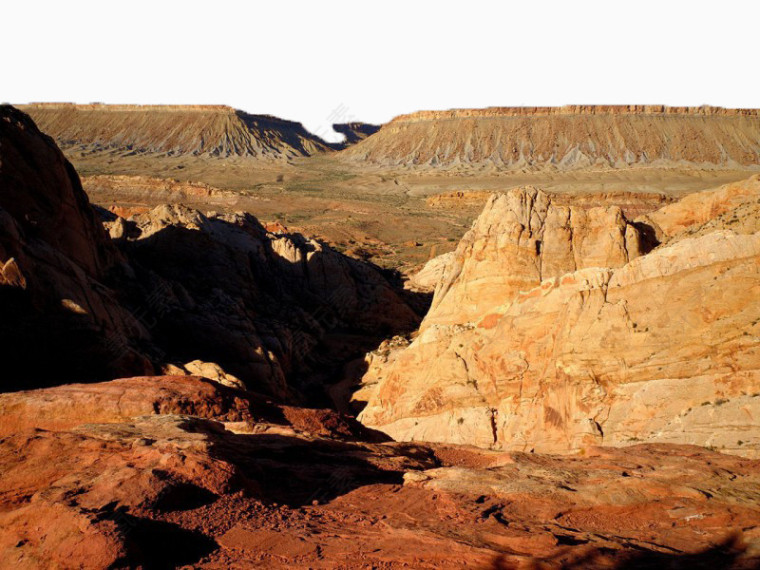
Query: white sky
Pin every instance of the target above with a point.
(333, 61)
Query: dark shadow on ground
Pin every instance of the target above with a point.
(296, 472)
(158, 545)
(727, 555)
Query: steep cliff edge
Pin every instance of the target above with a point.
(566, 138)
(555, 328)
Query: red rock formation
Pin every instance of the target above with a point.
(65, 407)
(60, 318)
(209, 491)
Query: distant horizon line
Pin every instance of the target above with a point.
(420, 115)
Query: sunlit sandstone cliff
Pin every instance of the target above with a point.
(554, 328)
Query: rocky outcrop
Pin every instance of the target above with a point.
(65, 407)
(208, 370)
(521, 239)
(555, 328)
(266, 307)
(60, 313)
(733, 206)
(208, 477)
(216, 295)
(431, 273)
(566, 138)
(198, 130)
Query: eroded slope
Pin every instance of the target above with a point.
(171, 130)
(566, 138)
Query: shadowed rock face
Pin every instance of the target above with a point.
(212, 477)
(199, 130)
(355, 132)
(554, 328)
(566, 138)
(56, 264)
(274, 310)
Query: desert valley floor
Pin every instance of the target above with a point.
(480, 338)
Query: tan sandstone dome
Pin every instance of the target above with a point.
(566, 138)
(555, 328)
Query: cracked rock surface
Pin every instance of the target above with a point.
(554, 328)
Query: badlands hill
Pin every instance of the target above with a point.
(566, 138)
(199, 130)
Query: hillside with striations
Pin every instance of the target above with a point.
(198, 130)
(566, 138)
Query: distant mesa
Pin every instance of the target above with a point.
(198, 130)
(566, 138)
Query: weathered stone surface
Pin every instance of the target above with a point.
(64, 407)
(586, 343)
(733, 206)
(431, 273)
(521, 239)
(209, 370)
(99, 489)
